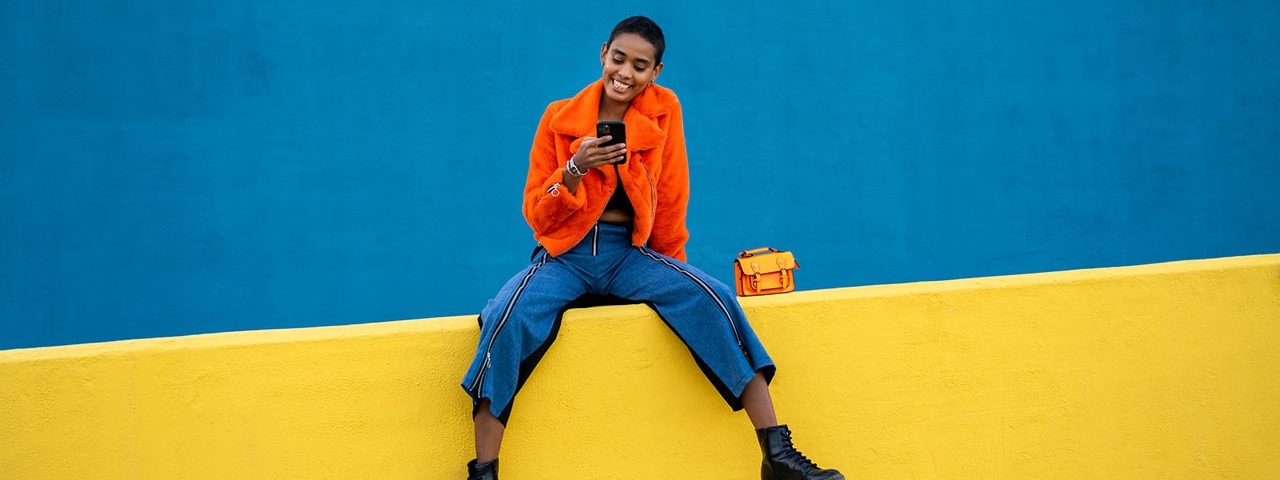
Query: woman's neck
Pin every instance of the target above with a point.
(611, 110)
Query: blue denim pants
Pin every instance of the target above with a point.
(518, 326)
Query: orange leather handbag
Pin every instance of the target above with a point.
(764, 271)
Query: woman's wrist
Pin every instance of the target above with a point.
(572, 169)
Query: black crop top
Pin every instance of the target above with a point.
(619, 200)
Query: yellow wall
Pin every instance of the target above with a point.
(1160, 371)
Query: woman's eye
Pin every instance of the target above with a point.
(617, 61)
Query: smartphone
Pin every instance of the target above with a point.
(615, 128)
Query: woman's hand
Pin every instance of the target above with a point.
(590, 155)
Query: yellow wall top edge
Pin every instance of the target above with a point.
(1017, 280)
(377, 329)
(245, 337)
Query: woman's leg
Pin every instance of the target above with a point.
(704, 313)
(758, 404)
(516, 329)
(488, 434)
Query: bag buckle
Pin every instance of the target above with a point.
(755, 279)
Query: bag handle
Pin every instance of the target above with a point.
(748, 253)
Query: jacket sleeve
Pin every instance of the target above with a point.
(547, 203)
(669, 230)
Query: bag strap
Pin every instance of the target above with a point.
(748, 253)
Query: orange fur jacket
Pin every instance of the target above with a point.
(656, 174)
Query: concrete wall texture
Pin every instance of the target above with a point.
(1168, 371)
(171, 168)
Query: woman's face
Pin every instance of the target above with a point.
(628, 66)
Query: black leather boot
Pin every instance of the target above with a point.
(482, 471)
(783, 462)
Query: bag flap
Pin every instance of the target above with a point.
(767, 263)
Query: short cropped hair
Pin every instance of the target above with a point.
(646, 29)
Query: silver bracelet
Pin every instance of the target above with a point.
(573, 169)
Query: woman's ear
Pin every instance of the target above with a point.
(604, 48)
(656, 71)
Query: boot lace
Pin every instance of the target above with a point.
(794, 456)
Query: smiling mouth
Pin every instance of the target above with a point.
(619, 86)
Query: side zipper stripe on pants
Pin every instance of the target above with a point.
(595, 239)
(484, 368)
(706, 288)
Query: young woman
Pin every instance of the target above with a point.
(610, 221)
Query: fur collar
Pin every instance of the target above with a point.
(578, 115)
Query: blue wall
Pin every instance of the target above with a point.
(183, 167)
